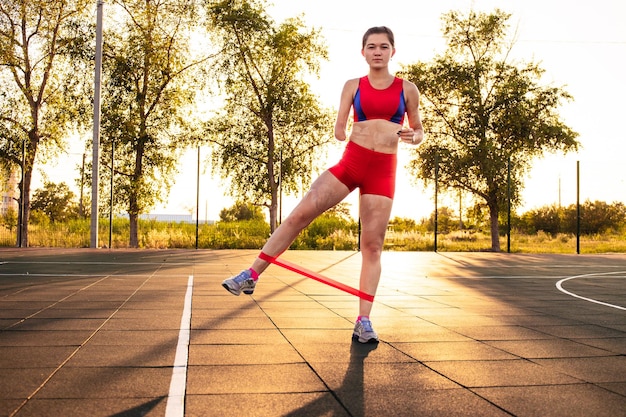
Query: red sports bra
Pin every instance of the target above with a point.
(388, 104)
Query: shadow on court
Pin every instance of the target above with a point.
(350, 394)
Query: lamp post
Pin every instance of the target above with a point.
(96, 127)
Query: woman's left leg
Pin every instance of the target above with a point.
(374, 212)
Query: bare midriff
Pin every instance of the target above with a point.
(377, 135)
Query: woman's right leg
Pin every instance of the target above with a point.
(325, 192)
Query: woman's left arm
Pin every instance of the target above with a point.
(415, 133)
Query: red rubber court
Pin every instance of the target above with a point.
(131, 333)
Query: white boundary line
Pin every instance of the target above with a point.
(176, 398)
(559, 286)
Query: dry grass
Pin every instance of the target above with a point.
(520, 243)
(253, 236)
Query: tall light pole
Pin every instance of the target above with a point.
(198, 199)
(96, 127)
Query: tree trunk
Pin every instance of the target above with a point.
(133, 213)
(134, 240)
(133, 216)
(274, 211)
(274, 187)
(25, 198)
(136, 187)
(495, 228)
(271, 171)
(29, 162)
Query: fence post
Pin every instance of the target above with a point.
(111, 203)
(96, 127)
(198, 200)
(578, 207)
(436, 198)
(508, 199)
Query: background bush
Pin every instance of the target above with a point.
(548, 229)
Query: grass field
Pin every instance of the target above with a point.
(252, 235)
(520, 243)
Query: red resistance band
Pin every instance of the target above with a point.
(317, 277)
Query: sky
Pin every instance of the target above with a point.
(580, 45)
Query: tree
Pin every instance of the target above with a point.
(481, 112)
(595, 217)
(148, 67)
(56, 201)
(272, 126)
(241, 211)
(445, 220)
(547, 219)
(403, 224)
(42, 98)
(9, 219)
(340, 211)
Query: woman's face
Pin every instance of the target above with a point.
(378, 50)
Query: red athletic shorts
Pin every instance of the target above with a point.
(372, 172)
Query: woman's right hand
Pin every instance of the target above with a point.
(340, 134)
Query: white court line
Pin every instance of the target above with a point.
(559, 285)
(176, 398)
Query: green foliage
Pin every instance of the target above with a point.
(40, 218)
(9, 219)
(329, 232)
(482, 112)
(599, 217)
(595, 218)
(56, 201)
(247, 234)
(241, 211)
(341, 211)
(43, 93)
(546, 219)
(445, 220)
(272, 127)
(148, 84)
(398, 224)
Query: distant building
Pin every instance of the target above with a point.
(9, 190)
(173, 218)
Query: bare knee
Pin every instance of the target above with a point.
(372, 248)
(298, 219)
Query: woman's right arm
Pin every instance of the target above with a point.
(345, 103)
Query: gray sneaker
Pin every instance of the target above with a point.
(242, 282)
(363, 332)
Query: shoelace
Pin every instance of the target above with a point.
(367, 325)
(241, 278)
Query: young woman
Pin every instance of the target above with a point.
(380, 102)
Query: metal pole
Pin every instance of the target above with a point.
(460, 209)
(359, 228)
(198, 199)
(280, 185)
(96, 127)
(578, 207)
(82, 189)
(436, 197)
(111, 201)
(508, 199)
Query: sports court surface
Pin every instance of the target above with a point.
(140, 332)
